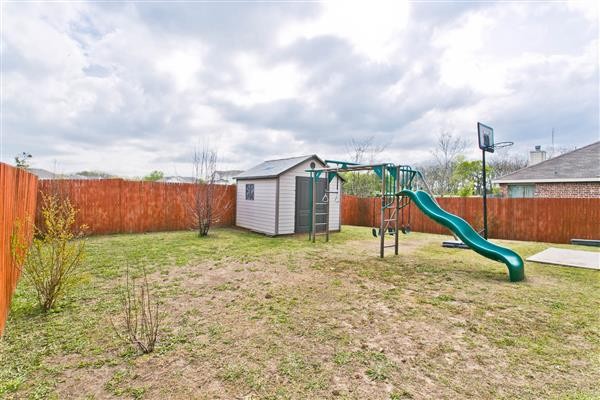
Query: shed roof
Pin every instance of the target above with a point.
(274, 168)
(580, 165)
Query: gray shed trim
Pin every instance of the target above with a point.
(580, 165)
(273, 168)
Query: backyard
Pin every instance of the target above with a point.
(251, 317)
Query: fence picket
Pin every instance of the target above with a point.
(18, 190)
(539, 220)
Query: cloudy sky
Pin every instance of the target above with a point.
(133, 87)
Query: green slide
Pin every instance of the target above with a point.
(514, 262)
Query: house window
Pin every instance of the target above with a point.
(520, 191)
(250, 191)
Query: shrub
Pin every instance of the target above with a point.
(53, 261)
(207, 205)
(139, 315)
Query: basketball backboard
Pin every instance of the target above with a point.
(486, 137)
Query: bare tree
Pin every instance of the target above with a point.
(445, 156)
(504, 161)
(362, 151)
(560, 150)
(140, 318)
(208, 205)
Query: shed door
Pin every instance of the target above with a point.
(303, 204)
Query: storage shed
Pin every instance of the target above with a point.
(274, 197)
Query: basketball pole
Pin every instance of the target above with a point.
(485, 229)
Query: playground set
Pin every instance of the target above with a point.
(401, 185)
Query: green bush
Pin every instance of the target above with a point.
(53, 262)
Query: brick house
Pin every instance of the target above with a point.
(573, 174)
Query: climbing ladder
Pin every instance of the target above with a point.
(394, 178)
(324, 201)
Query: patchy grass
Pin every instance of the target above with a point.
(247, 316)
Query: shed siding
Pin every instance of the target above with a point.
(258, 214)
(287, 200)
(334, 207)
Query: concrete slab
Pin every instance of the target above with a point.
(570, 258)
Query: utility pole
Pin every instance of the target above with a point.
(552, 152)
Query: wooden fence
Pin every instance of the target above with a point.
(18, 191)
(119, 206)
(540, 220)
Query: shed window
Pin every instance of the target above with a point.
(521, 191)
(250, 191)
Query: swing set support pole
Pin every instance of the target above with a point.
(382, 219)
(327, 190)
(313, 216)
(397, 200)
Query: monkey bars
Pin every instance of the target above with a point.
(393, 178)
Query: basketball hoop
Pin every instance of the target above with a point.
(486, 137)
(486, 144)
(501, 145)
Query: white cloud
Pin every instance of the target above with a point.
(260, 83)
(588, 8)
(373, 27)
(465, 60)
(134, 87)
(182, 65)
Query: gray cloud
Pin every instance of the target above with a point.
(142, 84)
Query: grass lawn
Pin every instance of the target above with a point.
(251, 317)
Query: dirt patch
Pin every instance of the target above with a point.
(335, 321)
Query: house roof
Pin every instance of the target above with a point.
(580, 165)
(42, 173)
(228, 173)
(177, 179)
(45, 174)
(275, 168)
(77, 176)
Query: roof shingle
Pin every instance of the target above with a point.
(578, 165)
(273, 168)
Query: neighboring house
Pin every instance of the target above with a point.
(77, 176)
(177, 179)
(42, 173)
(573, 174)
(273, 197)
(226, 177)
(45, 174)
(221, 178)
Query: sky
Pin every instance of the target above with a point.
(133, 87)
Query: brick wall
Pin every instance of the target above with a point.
(572, 189)
(562, 190)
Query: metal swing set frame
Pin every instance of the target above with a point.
(393, 179)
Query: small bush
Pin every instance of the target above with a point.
(53, 261)
(139, 317)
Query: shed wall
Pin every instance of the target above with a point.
(258, 214)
